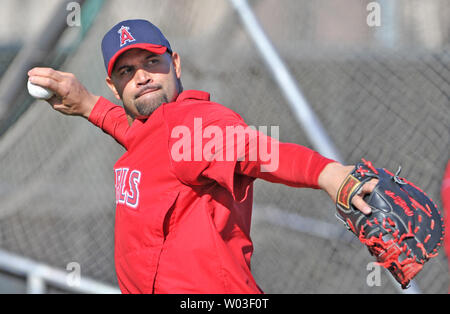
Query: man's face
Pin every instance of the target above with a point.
(144, 80)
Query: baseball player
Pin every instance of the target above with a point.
(183, 189)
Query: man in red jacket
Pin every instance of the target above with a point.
(184, 186)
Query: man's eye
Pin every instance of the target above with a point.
(124, 72)
(152, 61)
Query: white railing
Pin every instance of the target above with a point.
(38, 276)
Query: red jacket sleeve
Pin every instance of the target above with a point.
(111, 118)
(290, 164)
(226, 150)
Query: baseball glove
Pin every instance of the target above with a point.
(404, 230)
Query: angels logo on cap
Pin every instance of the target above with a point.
(125, 36)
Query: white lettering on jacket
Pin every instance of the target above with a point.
(127, 186)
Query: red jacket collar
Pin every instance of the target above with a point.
(193, 94)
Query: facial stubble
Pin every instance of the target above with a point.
(146, 107)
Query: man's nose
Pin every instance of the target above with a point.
(142, 77)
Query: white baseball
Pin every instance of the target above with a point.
(39, 92)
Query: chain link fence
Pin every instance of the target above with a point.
(382, 93)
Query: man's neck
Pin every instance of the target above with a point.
(130, 120)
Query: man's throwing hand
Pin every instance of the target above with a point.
(71, 97)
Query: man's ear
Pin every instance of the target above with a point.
(112, 87)
(176, 64)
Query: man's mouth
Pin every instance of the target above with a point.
(147, 91)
